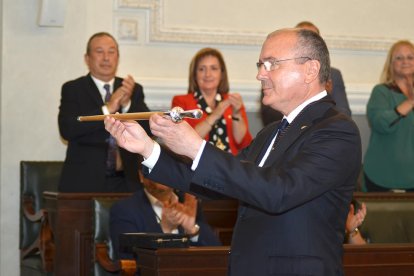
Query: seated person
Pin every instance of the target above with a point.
(354, 220)
(158, 209)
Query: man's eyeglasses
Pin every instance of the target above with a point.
(273, 64)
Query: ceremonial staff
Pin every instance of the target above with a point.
(176, 114)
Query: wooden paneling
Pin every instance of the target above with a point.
(200, 261)
(71, 220)
(365, 260)
(379, 259)
(222, 216)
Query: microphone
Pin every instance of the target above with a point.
(177, 114)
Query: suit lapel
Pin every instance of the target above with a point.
(301, 124)
(149, 214)
(117, 83)
(259, 142)
(93, 91)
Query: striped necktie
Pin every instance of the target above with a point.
(112, 147)
(280, 128)
(107, 88)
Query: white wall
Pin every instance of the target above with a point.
(35, 61)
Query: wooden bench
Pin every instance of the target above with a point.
(390, 217)
(70, 217)
(221, 215)
(72, 224)
(36, 241)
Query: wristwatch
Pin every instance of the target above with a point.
(353, 233)
(195, 232)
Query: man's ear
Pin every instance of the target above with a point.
(312, 70)
(86, 59)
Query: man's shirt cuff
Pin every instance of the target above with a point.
(105, 110)
(153, 158)
(195, 238)
(126, 108)
(198, 156)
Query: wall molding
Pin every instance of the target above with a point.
(159, 93)
(154, 29)
(159, 31)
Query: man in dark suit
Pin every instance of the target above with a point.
(85, 168)
(294, 185)
(158, 209)
(337, 91)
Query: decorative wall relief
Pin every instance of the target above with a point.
(348, 27)
(248, 25)
(131, 4)
(126, 29)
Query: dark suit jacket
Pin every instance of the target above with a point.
(292, 212)
(135, 214)
(84, 167)
(338, 91)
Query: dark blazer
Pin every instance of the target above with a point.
(338, 91)
(84, 167)
(292, 213)
(135, 214)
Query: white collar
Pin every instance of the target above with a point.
(100, 84)
(292, 115)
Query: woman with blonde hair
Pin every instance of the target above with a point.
(389, 159)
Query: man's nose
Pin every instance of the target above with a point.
(261, 74)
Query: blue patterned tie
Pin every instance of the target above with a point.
(107, 88)
(112, 147)
(280, 128)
